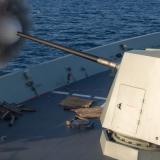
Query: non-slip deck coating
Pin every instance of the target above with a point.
(44, 136)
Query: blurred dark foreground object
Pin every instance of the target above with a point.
(16, 13)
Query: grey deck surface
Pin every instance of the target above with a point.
(44, 136)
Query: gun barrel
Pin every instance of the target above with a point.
(69, 50)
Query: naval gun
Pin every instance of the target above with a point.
(131, 114)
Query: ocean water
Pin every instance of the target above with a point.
(84, 24)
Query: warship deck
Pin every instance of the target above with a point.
(44, 136)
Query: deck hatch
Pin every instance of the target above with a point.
(128, 109)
